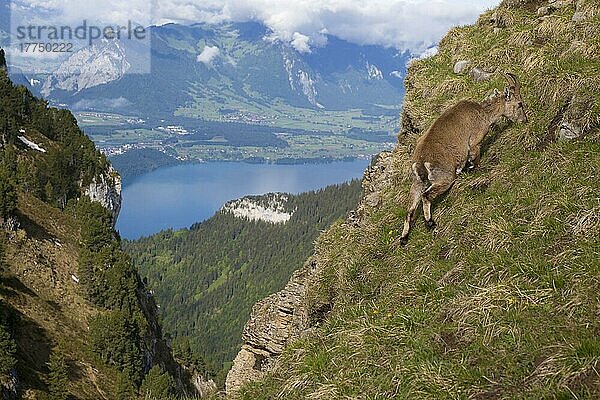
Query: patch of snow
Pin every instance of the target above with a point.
(75, 279)
(271, 211)
(30, 144)
(374, 72)
(397, 74)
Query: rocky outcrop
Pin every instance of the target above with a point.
(103, 62)
(285, 316)
(106, 190)
(270, 208)
(2, 59)
(274, 322)
(204, 387)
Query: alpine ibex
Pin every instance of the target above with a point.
(452, 143)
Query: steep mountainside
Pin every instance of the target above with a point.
(501, 300)
(75, 319)
(206, 278)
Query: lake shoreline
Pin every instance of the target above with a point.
(176, 197)
(130, 178)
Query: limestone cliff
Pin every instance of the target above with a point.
(106, 190)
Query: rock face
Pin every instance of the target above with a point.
(271, 209)
(274, 322)
(91, 66)
(106, 190)
(283, 317)
(204, 387)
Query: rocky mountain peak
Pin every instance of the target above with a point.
(101, 63)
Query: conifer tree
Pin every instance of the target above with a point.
(8, 196)
(158, 385)
(125, 388)
(58, 378)
(8, 348)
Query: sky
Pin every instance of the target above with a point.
(403, 24)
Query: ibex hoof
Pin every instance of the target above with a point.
(403, 241)
(430, 224)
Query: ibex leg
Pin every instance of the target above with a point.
(414, 198)
(440, 184)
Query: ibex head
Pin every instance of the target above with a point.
(513, 103)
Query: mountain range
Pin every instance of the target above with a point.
(236, 66)
(229, 91)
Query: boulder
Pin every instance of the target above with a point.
(545, 10)
(479, 75)
(569, 131)
(461, 66)
(580, 15)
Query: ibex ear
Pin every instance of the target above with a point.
(507, 93)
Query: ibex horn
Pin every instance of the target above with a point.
(512, 81)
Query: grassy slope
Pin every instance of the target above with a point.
(51, 311)
(502, 300)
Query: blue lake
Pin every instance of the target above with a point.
(177, 197)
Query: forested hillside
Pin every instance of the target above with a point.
(75, 319)
(207, 278)
(501, 300)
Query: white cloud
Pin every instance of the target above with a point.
(300, 42)
(403, 24)
(209, 53)
(430, 52)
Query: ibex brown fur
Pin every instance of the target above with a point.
(452, 143)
